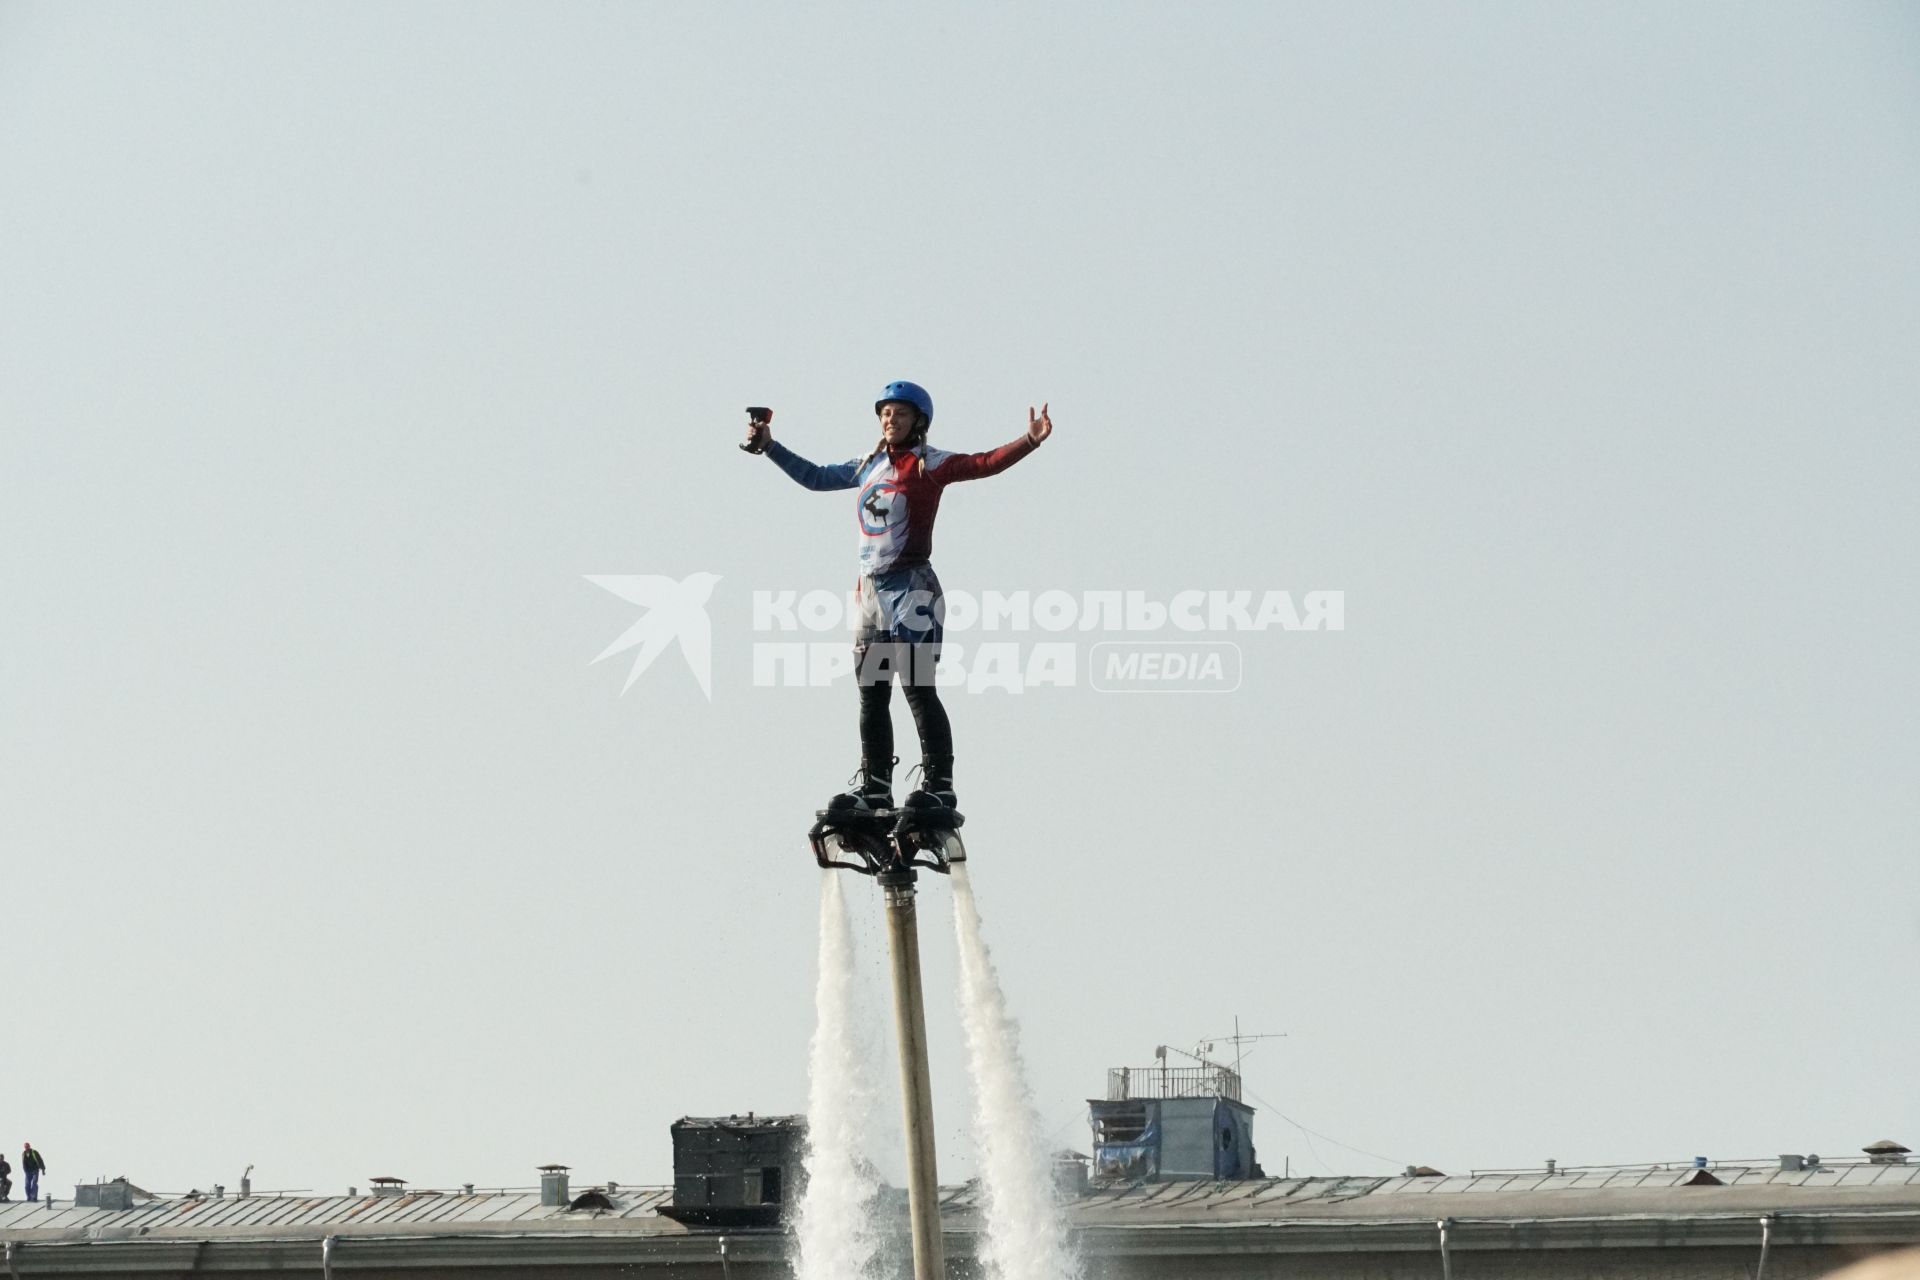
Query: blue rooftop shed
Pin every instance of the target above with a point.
(1166, 1123)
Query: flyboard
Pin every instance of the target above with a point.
(876, 842)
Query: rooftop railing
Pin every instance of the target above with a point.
(1126, 1083)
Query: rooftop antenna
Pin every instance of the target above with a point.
(1204, 1047)
(1225, 1078)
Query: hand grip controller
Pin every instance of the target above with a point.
(759, 420)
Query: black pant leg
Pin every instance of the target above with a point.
(923, 699)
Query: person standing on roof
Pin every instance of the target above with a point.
(32, 1166)
(6, 1178)
(901, 610)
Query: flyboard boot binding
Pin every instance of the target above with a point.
(869, 790)
(936, 784)
(860, 830)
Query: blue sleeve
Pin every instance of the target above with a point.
(841, 475)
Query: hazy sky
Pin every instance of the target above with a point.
(339, 343)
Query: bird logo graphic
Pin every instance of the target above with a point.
(874, 518)
(674, 611)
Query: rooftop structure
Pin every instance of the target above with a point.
(1648, 1221)
(1166, 1122)
(736, 1171)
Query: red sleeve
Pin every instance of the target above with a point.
(956, 467)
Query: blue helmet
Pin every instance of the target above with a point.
(912, 393)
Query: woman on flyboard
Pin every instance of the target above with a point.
(900, 611)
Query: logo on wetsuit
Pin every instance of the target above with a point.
(882, 506)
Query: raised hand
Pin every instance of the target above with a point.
(1039, 426)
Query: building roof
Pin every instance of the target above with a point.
(1564, 1193)
(1573, 1208)
(206, 1217)
(1570, 1193)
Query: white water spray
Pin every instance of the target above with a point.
(1026, 1237)
(834, 1231)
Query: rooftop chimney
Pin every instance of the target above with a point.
(1886, 1151)
(1790, 1163)
(553, 1186)
(117, 1194)
(1070, 1174)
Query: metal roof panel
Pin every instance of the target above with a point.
(225, 1212)
(339, 1210)
(450, 1208)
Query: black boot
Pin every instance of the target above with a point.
(936, 782)
(871, 787)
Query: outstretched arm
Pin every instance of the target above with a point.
(821, 479)
(978, 466)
